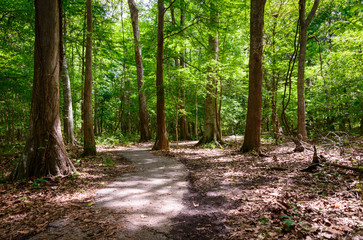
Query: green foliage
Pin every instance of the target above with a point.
(2, 178)
(333, 96)
(38, 182)
(108, 162)
(288, 222)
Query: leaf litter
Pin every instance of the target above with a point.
(231, 196)
(245, 196)
(62, 207)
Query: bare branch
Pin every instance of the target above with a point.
(181, 30)
(171, 4)
(312, 13)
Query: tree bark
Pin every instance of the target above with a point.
(196, 115)
(161, 142)
(184, 129)
(67, 94)
(89, 146)
(67, 103)
(83, 65)
(144, 123)
(252, 140)
(275, 82)
(304, 24)
(44, 152)
(211, 132)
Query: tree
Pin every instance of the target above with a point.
(144, 123)
(252, 140)
(44, 152)
(67, 103)
(184, 128)
(211, 132)
(304, 24)
(67, 95)
(161, 141)
(89, 145)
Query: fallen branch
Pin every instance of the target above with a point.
(356, 168)
(318, 161)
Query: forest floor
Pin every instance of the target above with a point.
(245, 196)
(33, 207)
(231, 195)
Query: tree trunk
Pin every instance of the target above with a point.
(96, 129)
(89, 146)
(275, 82)
(67, 95)
(211, 132)
(44, 152)
(83, 66)
(219, 111)
(144, 123)
(304, 23)
(184, 130)
(252, 140)
(196, 115)
(67, 103)
(161, 141)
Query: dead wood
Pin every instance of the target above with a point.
(317, 160)
(278, 168)
(354, 168)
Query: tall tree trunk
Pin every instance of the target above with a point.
(144, 123)
(252, 140)
(196, 115)
(44, 152)
(304, 24)
(67, 103)
(275, 80)
(184, 129)
(211, 132)
(67, 94)
(89, 146)
(161, 141)
(96, 130)
(219, 120)
(83, 66)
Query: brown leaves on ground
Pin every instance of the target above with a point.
(28, 207)
(269, 197)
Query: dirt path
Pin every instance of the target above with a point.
(138, 205)
(152, 195)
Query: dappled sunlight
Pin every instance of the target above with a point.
(269, 196)
(153, 192)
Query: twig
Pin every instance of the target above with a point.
(181, 30)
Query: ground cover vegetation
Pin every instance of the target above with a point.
(107, 72)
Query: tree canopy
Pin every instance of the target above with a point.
(333, 73)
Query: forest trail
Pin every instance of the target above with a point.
(140, 204)
(151, 196)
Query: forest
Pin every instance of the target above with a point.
(259, 103)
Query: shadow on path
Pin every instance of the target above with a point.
(152, 195)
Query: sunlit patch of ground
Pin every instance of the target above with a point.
(28, 207)
(269, 197)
